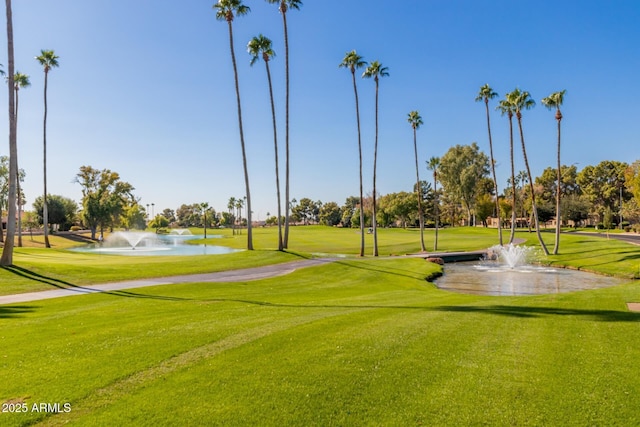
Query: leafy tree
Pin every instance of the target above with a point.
(330, 214)
(4, 185)
(353, 61)
(632, 180)
(307, 210)
(30, 221)
(375, 70)
(485, 94)
(134, 217)
(575, 208)
(283, 7)
(415, 121)
(347, 210)
(260, 46)
(462, 168)
(484, 208)
(603, 184)
(104, 196)
(399, 207)
(554, 101)
(159, 221)
(48, 59)
(7, 251)
(227, 10)
(169, 214)
(189, 215)
(62, 211)
(522, 100)
(548, 182)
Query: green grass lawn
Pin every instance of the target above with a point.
(391, 241)
(359, 341)
(355, 342)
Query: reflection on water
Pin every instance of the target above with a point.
(490, 278)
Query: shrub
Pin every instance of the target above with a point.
(75, 228)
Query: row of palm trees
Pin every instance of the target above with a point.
(374, 70)
(261, 46)
(513, 104)
(15, 81)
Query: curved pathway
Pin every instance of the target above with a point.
(629, 238)
(242, 275)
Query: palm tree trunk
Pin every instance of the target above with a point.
(374, 224)
(493, 170)
(7, 252)
(355, 90)
(534, 208)
(275, 146)
(418, 193)
(287, 181)
(435, 190)
(556, 245)
(514, 214)
(244, 153)
(45, 210)
(19, 190)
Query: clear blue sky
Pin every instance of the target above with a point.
(145, 88)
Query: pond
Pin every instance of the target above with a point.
(494, 278)
(150, 244)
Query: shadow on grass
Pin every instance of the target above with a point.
(384, 270)
(534, 312)
(61, 284)
(15, 311)
(502, 310)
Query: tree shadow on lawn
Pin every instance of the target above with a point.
(14, 311)
(503, 310)
(61, 284)
(534, 312)
(384, 270)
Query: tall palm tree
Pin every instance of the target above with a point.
(506, 107)
(433, 164)
(48, 59)
(555, 100)
(20, 80)
(415, 121)
(226, 11)
(485, 94)
(7, 251)
(260, 46)
(231, 205)
(353, 61)
(522, 100)
(239, 206)
(375, 70)
(283, 7)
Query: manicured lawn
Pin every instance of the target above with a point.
(591, 253)
(355, 342)
(38, 268)
(391, 241)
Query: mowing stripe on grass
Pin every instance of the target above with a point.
(120, 389)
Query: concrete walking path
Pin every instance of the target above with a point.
(246, 274)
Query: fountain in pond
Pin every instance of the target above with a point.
(132, 238)
(508, 271)
(181, 232)
(144, 243)
(511, 256)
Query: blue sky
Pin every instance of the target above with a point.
(145, 88)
